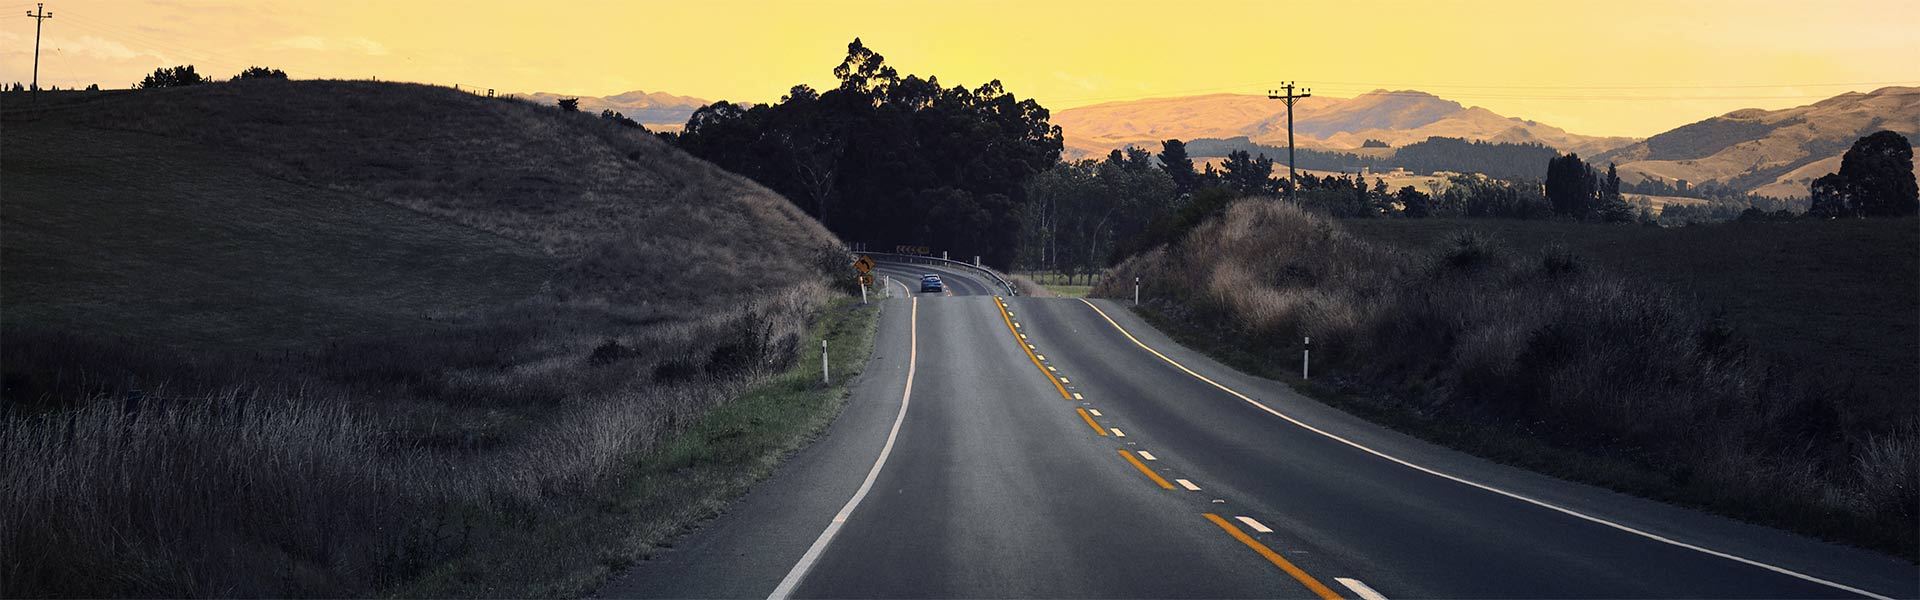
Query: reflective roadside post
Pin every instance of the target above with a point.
(1136, 290)
(825, 376)
(1306, 350)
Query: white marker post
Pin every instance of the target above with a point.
(825, 376)
(1136, 290)
(1306, 350)
(863, 295)
(943, 255)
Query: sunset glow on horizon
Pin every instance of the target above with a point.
(1619, 68)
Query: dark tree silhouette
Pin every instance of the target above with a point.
(888, 159)
(1830, 198)
(1571, 186)
(569, 104)
(1877, 173)
(183, 75)
(1174, 160)
(260, 73)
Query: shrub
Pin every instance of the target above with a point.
(1566, 354)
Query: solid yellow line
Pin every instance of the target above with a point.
(1090, 423)
(1143, 469)
(1275, 558)
(1036, 360)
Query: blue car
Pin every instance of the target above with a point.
(931, 283)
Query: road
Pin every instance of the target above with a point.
(1028, 447)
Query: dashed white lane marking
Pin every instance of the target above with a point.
(1015, 323)
(1076, 396)
(1024, 336)
(1146, 455)
(1042, 356)
(800, 569)
(1470, 483)
(1359, 589)
(1117, 432)
(1064, 380)
(1254, 524)
(1053, 369)
(1187, 484)
(1094, 412)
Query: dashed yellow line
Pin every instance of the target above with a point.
(1029, 349)
(1319, 589)
(1157, 479)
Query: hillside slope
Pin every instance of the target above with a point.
(1773, 153)
(367, 331)
(1323, 122)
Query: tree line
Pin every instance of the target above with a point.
(885, 159)
(1501, 160)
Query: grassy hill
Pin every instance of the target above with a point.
(1833, 297)
(1769, 152)
(1764, 372)
(367, 329)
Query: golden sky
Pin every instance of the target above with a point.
(1598, 68)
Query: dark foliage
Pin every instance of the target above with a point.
(179, 76)
(1876, 176)
(260, 73)
(569, 104)
(886, 160)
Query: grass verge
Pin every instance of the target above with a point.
(571, 546)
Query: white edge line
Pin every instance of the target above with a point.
(1146, 455)
(1187, 484)
(800, 569)
(1359, 589)
(1256, 525)
(1553, 507)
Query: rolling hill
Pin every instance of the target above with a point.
(1769, 152)
(349, 317)
(1321, 122)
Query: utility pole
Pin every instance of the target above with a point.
(38, 19)
(1290, 98)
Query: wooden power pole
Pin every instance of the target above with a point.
(1290, 97)
(38, 18)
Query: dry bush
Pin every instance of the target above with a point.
(1540, 345)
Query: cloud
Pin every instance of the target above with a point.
(325, 44)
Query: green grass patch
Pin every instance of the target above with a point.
(570, 546)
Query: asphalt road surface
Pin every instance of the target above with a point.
(1055, 448)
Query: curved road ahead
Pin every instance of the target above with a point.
(1060, 448)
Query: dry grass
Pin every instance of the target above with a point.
(320, 338)
(1627, 385)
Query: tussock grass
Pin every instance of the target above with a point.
(1469, 342)
(327, 338)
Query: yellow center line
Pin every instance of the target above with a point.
(1275, 558)
(1162, 481)
(1030, 356)
(1090, 423)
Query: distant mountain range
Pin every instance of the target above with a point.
(650, 108)
(1772, 153)
(1320, 122)
(1769, 152)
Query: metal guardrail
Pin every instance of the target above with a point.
(929, 260)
